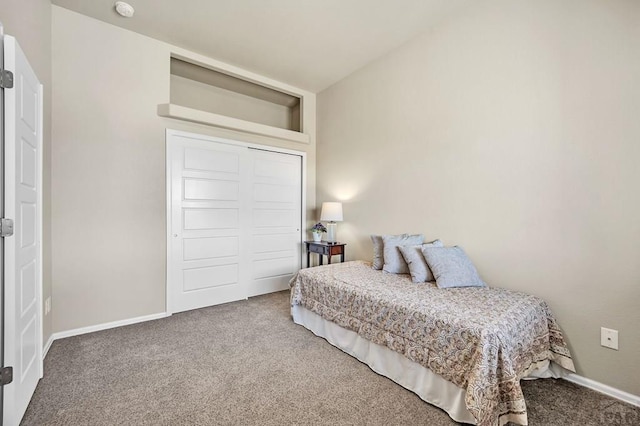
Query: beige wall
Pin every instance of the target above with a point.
(109, 209)
(30, 23)
(513, 131)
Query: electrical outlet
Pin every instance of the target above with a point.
(47, 305)
(609, 338)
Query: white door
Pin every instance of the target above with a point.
(205, 240)
(234, 220)
(22, 255)
(276, 203)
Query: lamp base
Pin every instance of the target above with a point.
(331, 232)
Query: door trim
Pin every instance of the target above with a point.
(170, 133)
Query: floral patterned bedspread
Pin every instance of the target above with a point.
(482, 339)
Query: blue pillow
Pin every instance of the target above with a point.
(451, 267)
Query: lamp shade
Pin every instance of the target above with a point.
(331, 212)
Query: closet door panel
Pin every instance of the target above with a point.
(276, 193)
(206, 262)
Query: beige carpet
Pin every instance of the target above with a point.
(247, 363)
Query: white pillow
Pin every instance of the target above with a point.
(418, 267)
(393, 261)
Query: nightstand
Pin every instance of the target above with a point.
(323, 248)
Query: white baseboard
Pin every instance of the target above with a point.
(605, 389)
(47, 346)
(99, 327)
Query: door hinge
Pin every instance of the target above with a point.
(6, 376)
(6, 227)
(6, 79)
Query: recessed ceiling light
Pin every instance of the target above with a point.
(124, 9)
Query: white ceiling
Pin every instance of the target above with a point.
(310, 44)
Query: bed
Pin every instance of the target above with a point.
(464, 350)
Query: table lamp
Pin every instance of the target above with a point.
(332, 213)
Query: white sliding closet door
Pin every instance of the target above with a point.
(234, 220)
(206, 216)
(276, 200)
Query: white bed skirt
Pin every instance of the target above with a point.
(423, 382)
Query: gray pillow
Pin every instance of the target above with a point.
(452, 267)
(378, 245)
(393, 260)
(418, 268)
(378, 259)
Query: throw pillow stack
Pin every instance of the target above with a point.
(409, 254)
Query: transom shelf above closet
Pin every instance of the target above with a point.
(202, 117)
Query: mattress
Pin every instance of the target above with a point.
(483, 340)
